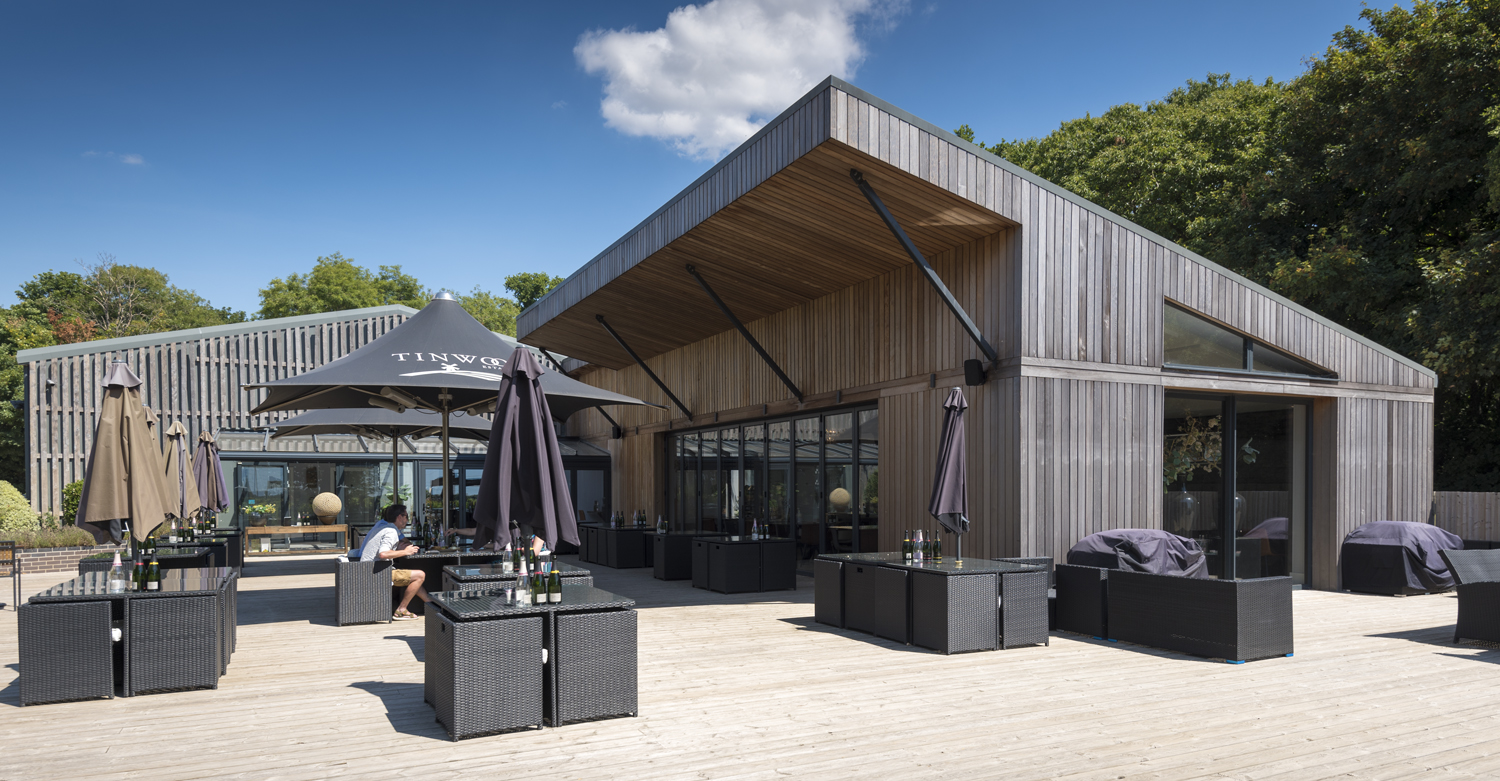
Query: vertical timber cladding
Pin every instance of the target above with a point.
(1376, 456)
(878, 339)
(1081, 341)
(194, 376)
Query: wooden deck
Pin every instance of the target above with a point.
(751, 688)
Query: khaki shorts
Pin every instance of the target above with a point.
(400, 577)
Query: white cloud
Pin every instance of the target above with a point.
(715, 73)
(560, 104)
(129, 159)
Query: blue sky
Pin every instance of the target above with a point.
(227, 145)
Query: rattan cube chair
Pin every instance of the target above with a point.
(362, 591)
(1477, 573)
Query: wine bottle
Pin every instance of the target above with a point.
(153, 575)
(937, 547)
(118, 583)
(138, 576)
(554, 587)
(538, 589)
(661, 525)
(919, 546)
(906, 547)
(172, 534)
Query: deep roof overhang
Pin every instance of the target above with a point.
(778, 222)
(805, 232)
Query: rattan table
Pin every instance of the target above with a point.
(626, 547)
(169, 556)
(481, 576)
(673, 554)
(493, 666)
(179, 637)
(734, 565)
(949, 605)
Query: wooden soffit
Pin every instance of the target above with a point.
(805, 232)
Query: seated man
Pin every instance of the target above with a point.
(384, 542)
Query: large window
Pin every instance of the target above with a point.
(1235, 474)
(812, 478)
(1194, 343)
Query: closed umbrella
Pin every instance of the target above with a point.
(523, 480)
(180, 478)
(125, 480)
(208, 475)
(950, 487)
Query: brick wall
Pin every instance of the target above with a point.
(59, 559)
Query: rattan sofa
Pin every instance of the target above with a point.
(1234, 620)
(1477, 573)
(1082, 599)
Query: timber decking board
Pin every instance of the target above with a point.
(747, 687)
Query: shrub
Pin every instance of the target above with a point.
(65, 537)
(16, 514)
(72, 492)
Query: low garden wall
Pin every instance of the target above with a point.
(59, 559)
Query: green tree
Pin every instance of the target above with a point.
(1180, 166)
(529, 286)
(336, 283)
(1367, 189)
(497, 313)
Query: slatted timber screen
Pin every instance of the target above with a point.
(1470, 515)
(198, 381)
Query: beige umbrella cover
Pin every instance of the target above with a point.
(125, 478)
(180, 479)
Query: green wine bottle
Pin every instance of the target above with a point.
(153, 575)
(937, 546)
(138, 576)
(906, 551)
(538, 589)
(554, 587)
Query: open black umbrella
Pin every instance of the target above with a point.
(950, 488)
(384, 424)
(523, 477)
(442, 359)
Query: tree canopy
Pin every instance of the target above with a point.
(334, 284)
(1367, 189)
(529, 286)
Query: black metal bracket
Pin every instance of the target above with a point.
(614, 430)
(764, 356)
(927, 271)
(644, 367)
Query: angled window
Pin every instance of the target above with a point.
(1197, 344)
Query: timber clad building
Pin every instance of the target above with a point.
(1128, 382)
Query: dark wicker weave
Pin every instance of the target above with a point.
(362, 591)
(875, 601)
(168, 558)
(733, 569)
(700, 561)
(593, 666)
(172, 644)
(672, 556)
(1046, 562)
(954, 613)
(623, 548)
(459, 578)
(1478, 575)
(65, 651)
(1082, 599)
(1023, 608)
(828, 592)
(1235, 620)
(484, 677)
(218, 553)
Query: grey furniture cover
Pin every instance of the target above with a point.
(1369, 561)
(1141, 550)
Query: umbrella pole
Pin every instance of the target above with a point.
(443, 526)
(395, 469)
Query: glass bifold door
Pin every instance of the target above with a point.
(1235, 474)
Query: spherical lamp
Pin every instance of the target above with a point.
(839, 500)
(327, 506)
